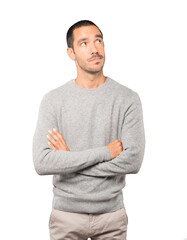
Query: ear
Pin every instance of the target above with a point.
(70, 53)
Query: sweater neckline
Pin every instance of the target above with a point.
(101, 87)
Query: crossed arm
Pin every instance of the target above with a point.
(133, 139)
(92, 162)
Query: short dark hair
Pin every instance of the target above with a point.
(69, 36)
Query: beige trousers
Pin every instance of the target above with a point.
(81, 226)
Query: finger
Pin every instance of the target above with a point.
(51, 146)
(59, 135)
(53, 135)
(51, 140)
(58, 144)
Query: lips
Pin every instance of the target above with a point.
(95, 59)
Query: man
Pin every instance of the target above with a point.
(89, 135)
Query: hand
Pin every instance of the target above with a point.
(57, 142)
(115, 148)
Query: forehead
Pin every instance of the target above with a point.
(85, 32)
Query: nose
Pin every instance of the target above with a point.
(93, 48)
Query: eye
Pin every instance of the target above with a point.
(99, 40)
(82, 43)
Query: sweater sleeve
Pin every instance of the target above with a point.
(50, 162)
(133, 140)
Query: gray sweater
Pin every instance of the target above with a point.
(86, 179)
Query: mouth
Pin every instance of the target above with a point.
(95, 59)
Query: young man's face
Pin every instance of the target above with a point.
(88, 46)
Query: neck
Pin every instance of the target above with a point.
(90, 80)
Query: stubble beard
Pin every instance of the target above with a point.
(89, 70)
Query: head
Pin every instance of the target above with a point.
(86, 46)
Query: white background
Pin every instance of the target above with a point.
(146, 50)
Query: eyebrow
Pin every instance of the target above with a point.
(83, 39)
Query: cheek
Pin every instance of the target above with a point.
(102, 51)
(80, 56)
(83, 54)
